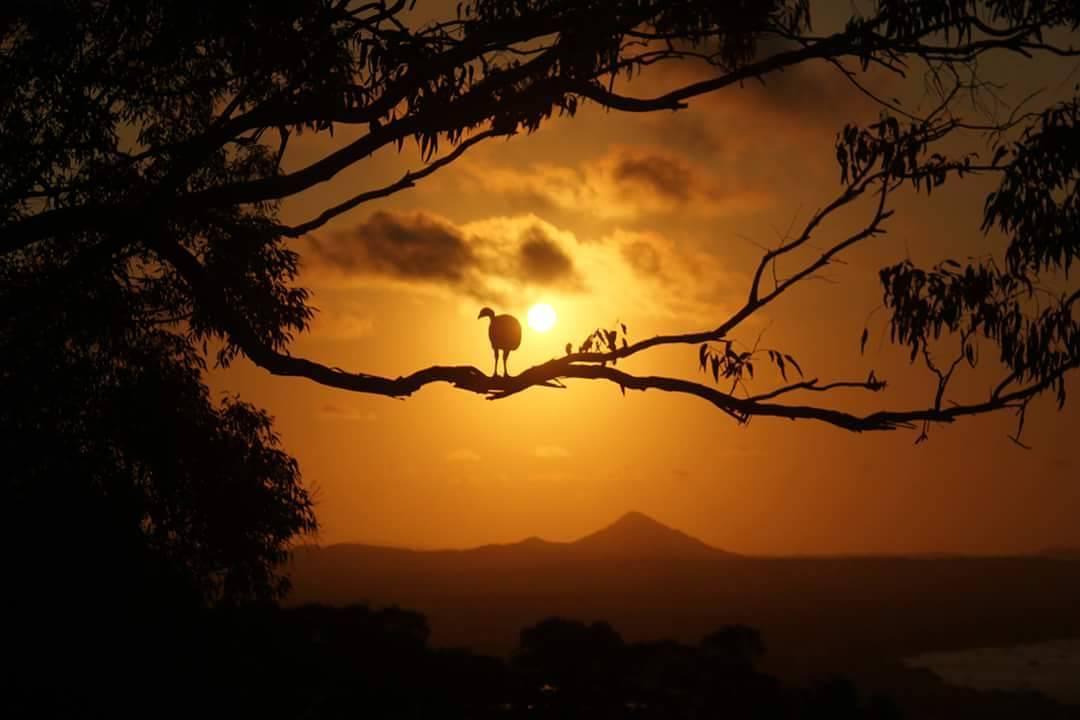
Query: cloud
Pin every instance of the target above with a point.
(482, 260)
(542, 261)
(626, 183)
(462, 455)
(655, 172)
(411, 247)
(673, 280)
(551, 452)
(511, 260)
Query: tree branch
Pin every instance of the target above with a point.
(474, 107)
(552, 372)
(407, 181)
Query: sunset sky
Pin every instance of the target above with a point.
(656, 221)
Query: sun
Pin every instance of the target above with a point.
(541, 317)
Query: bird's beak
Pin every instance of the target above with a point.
(480, 315)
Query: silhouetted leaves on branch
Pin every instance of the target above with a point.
(146, 146)
(1022, 309)
(602, 340)
(724, 362)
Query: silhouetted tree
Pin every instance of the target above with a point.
(143, 147)
(734, 645)
(110, 439)
(573, 659)
(131, 499)
(566, 668)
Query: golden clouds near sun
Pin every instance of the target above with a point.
(541, 317)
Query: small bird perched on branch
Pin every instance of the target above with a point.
(504, 331)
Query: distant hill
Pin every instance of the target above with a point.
(655, 582)
(633, 534)
(636, 534)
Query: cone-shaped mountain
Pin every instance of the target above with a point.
(638, 534)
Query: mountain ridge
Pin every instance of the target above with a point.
(635, 532)
(631, 533)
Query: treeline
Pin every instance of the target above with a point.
(355, 662)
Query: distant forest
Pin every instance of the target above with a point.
(323, 662)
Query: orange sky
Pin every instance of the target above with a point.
(651, 220)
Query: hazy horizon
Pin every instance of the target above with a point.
(1048, 549)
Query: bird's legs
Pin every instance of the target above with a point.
(506, 370)
(495, 372)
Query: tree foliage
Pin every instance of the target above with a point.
(110, 433)
(144, 160)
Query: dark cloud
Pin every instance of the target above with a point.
(631, 182)
(542, 262)
(423, 249)
(663, 175)
(413, 247)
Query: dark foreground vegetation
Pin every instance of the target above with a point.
(325, 662)
(322, 662)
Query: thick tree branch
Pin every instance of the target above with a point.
(422, 87)
(473, 108)
(552, 372)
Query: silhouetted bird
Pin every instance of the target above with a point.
(504, 331)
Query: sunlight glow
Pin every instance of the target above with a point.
(541, 317)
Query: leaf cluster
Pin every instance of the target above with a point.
(1038, 201)
(1025, 309)
(724, 362)
(601, 340)
(897, 150)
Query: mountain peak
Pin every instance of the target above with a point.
(638, 534)
(637, 518)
